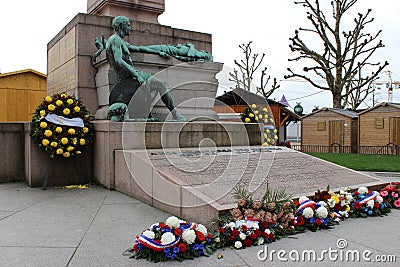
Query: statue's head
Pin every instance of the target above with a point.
(121, 24)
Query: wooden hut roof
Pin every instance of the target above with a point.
(343, 112)
(383, 104)
(22, 71)
(241, 97)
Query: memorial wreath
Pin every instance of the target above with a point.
(61, 126)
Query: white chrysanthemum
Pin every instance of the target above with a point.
(189, 236)
(149, 234)
(238, 244)
(362, 190)
(322, 212)
(371, 203)
(303, 199)
(201, 228)
(349, 198)
(260, 241)
(172, 222)
(255, 226)
(232, 225)
(242, 236)
(217, 240)
(331, 203)
(379, 199)
(308, 213)
(167, 238)
(322, 204)
(267, 231)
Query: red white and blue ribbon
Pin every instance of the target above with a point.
(150, 243)
(369, 197)
(306, 204)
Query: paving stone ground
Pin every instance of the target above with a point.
(92, 227)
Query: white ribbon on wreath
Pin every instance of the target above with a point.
(60, 120)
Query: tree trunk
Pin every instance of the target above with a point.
(337, 100)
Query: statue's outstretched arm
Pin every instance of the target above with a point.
(120, 63)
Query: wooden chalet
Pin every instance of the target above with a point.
(232, 103)
(380, 125)
(329, 127)
(20, 93)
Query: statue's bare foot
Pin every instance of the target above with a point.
(178, 116)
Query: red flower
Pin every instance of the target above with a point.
(247, 242)
(257, 232)
(296, 203)
(318, 221)
(265, 225)
(210, 236)
(182, 247)
(369, 192)
(376, 205)
(299, 221)
(326, 197)
(244, 227)
(356, 193)
(221, 230)
(271, 236)
(253, 236)
(264, 234)
(200, 236)
(231, 238)
(357, 206)
(235, 232)
(178, 232)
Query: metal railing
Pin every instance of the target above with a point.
(389, 149)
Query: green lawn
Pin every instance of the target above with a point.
(362, 162)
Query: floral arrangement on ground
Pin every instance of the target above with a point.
(255, 114)
(255, 222)
(61, 126)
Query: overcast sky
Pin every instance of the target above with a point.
(27, 26)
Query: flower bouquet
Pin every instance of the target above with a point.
(245, 233)
(368, 203)
(312, 215)
(173, 240)
(61, 127)
(391, 195)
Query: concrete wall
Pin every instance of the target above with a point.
(12, 158)
(21, 160)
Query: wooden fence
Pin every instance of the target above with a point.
(389, 149)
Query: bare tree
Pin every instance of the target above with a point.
(343, 55)
(247, 67)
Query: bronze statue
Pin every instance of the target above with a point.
(118, 52)
(130, 79)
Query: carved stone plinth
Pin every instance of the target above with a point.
(141, 10)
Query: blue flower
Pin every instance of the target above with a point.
(168, 254)
(326, 221)
(383, 205)
(312, 220)
(175, 250)
(370, 212)
(199, 248)
(208, 240)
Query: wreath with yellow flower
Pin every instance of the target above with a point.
(61, 126)
(254, 114)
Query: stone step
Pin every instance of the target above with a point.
(197, 183)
